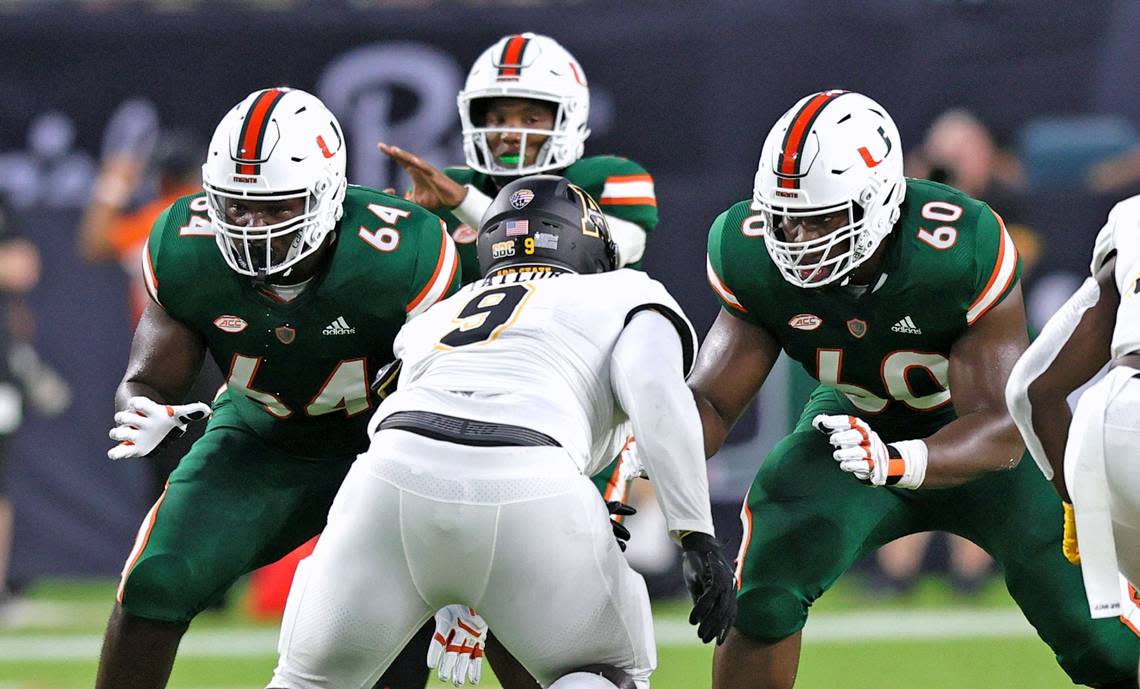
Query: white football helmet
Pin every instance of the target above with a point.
(526, 66)
(275, 145)
(834, 151)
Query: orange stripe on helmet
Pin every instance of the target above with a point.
(510, 63)
(253, 130)
(789, 165)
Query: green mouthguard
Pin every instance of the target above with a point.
(512, 159)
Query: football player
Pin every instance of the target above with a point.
(1091, 460)
(901, 297)
(475, 490)
(524, 111)
(296, 284)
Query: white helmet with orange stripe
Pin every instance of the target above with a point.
(277, 146)
(532, 67)
(833, 152)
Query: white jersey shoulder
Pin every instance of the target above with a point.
(1121, 235)
(531, 351)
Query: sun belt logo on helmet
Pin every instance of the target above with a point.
(521, 198)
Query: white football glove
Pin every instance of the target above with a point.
(146, 423)
(861, 452)
(460, 635)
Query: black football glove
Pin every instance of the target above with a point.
(712, 585)
(620, 509)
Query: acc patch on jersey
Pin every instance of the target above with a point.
(231, 324)
(805, 321)
(521, 198)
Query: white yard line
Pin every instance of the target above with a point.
(822, 628)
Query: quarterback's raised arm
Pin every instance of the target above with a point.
(1071, 348)
(733, 363)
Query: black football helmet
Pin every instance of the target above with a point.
(544, 220)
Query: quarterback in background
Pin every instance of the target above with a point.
(1091, 454)
(475, 488)
(524, 111)
(901, 297)
(296, 284)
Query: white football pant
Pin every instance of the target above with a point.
(1122, 470)
(517, 533)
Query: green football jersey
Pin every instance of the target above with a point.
(949, 260)
(620, 186)
(298, 372)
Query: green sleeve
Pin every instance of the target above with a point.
(463, 235)
(436, 274)
(997, 264)
(719, 268)
(628, 193)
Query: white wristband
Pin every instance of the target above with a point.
(914, 454)
(470, 211)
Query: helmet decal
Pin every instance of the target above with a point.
(868, 158)
(790, 167)
(520, 198)
(249, 155)
(510, 62)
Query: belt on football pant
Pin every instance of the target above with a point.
(453, 429)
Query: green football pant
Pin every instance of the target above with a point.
(232, 505)
(806, 522)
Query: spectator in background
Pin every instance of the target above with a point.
(111, 232)
(1117, 174)
(960, 151)
(19, 272)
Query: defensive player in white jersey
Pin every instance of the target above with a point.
(475, 488)
(1091, 454)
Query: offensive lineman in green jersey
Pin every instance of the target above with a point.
(901, 298)
(296, 284)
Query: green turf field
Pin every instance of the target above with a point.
(927, 639)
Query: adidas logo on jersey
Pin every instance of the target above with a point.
(906, 325)
(339, 327)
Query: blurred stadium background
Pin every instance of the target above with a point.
(689, 93)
